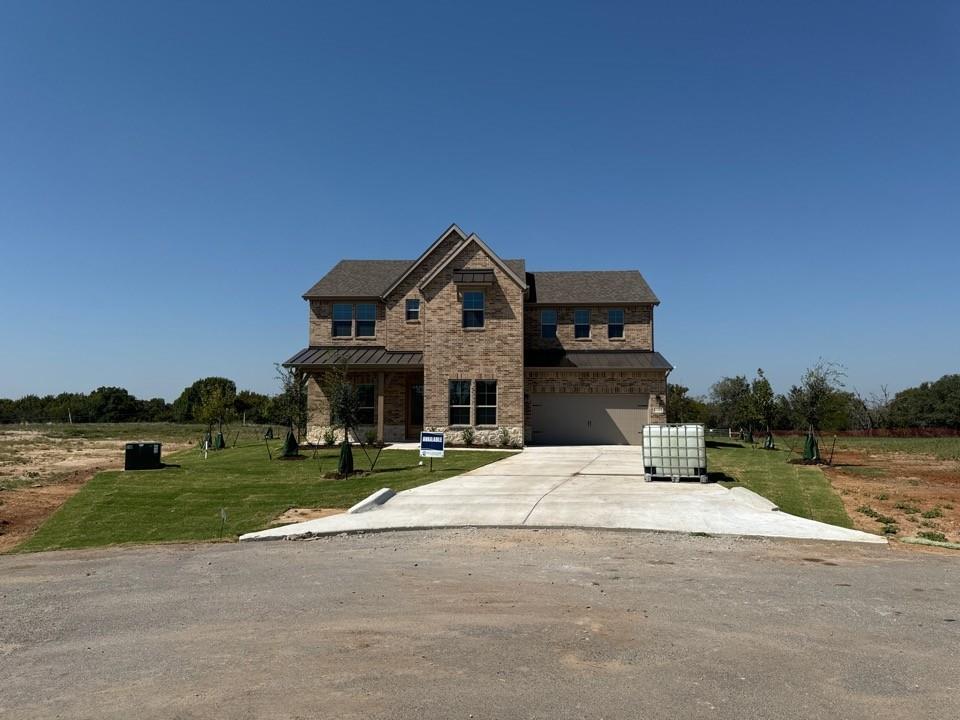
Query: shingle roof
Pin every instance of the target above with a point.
(372, 278)
(590, 286)
(597, 360)
(366, 355)
(358, 278)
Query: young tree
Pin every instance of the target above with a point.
(344, 411)
(290, 406)
(216, 405)
(763, 406)
(818, 401)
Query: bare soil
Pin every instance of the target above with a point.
(295, 515)
(39, 473)
(901, 487)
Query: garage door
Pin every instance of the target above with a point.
(572, 419)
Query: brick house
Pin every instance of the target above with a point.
(462, 338)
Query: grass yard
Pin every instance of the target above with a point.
(183, 504)
(943, 448)
(797, 489)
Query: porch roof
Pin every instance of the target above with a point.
(366, 356)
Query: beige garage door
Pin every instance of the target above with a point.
(572, 419)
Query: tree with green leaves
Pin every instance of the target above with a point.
(290, 406)
(819, 402)
(344, 411)
(731, 399)
(216, 405)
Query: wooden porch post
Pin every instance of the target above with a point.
(380, 407)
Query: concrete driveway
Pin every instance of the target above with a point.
(584, 486)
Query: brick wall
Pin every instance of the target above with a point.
(495, 352)
(394, 405)
(321, 324)
(637, 332)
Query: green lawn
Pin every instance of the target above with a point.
(946, 448)
(183, 504)
(797, 489)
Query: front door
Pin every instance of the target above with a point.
(414, 409)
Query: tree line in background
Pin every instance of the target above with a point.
(820, 401)
(210, 401)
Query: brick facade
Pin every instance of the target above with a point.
(637, 331)
(494, 352)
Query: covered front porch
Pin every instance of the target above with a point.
(389, 385)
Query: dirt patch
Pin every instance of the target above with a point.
(295, 515)
(909, 492)
(39, 473)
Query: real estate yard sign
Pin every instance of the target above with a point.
(431, 444)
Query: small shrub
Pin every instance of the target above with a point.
(935, 536)
(947, 506)
(883, 496)
(504, 437)
(329, 437)
(907, 508)
(885, 520)
(890, 529)
(370, 437)
(468, 436)
(934, 513)
(868, 511)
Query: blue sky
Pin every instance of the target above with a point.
(174, 175)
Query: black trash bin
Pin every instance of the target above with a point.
(142, 456)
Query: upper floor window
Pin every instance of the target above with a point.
(342, 320)
(413, 310)
(548, 324)
(366, 320)
(473, 309)
(615, 324)
(486, 402)
(459, 402)
(581, 323)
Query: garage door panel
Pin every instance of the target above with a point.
(583, 419)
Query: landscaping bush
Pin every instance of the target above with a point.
(329, 437)
(468, 436)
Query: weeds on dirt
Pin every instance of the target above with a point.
(933, 513)
(935, 536)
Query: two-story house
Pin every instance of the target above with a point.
(462, 338)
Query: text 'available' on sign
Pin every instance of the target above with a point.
(431, 444)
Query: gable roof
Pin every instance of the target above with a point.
(587, 287)
(358, 278)
(426, 253)
(519, 279)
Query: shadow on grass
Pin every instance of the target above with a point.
(721, 477)
(720, 444)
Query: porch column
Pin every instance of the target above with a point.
(380, 407)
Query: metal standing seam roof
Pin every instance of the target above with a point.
(597, 360)
(473, 276)
(319, 356)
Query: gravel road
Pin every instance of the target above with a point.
(482, 624)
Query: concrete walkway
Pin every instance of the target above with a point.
(592, 487)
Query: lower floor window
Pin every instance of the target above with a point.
(486, 402)
(459, 402)
(366, 398)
